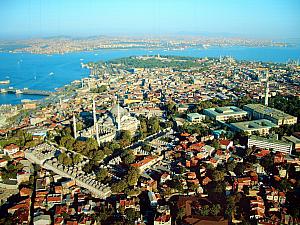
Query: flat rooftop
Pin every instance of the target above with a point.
(228, 110)
(194, 115)
(275, 113)
(254, 124)
(272, 140)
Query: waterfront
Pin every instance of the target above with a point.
(47, 72)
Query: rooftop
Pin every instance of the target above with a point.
(275, 113)
(254, 124)
(227, 110)
(273, 140)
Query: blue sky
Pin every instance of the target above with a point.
(275, 19)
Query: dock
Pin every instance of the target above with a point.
(26, 91)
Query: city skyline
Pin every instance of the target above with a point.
(251, 19)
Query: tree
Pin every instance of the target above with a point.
(23, 137)
(61, 157)
(77, 159)
(267, 162)
(215, 144)
(80, 146)
(91, 144)
(67, 142)
(180, 213)
(79, 126)
(129, 158)
(125, 138)
(131, 214)
(68, 161)
(98, 155)
(153, 125)
(230, 165)
(218, 176)
(215, 209)
(119, 186)
(204, 210)
(133, 176)
(102, 174)
(239, 169)
(230, 206)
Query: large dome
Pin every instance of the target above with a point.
(114, 111)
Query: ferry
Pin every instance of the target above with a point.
(19, 91)
(4, 81)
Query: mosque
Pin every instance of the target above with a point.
(107, 127)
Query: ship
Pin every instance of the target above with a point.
(4, 81)
(19, 91)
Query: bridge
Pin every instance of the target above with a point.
(26, 91)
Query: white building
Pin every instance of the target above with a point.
(195, 117)
(271, 144)
(225, 113)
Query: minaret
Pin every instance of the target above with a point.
(96, 129)
(118, 116)
(94, 114)
(74, 127)
(267, 90)
(82, 83)
(60, 102)
(89, 85)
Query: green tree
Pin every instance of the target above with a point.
(215, 209)
(80, 146)
(180, 213)
(98, 155)
(61, 157)
(218, 176)
(91, 144)
(239, 169)
(230, 165)
(67, 142)
(131, 214)
(119, 186)
(133, 176)
(153, 125)
(204, 210)
(125, 138)
(129, 158)
(77, 159)
(102, 174)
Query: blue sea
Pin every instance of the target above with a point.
(47, 72)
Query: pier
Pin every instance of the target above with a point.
(26, 91)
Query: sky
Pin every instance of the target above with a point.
(271, 19)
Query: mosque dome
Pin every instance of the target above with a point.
(114, 111)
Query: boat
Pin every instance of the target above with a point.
(51, 73)
(3, 90)
(81, 59)
(19, 91)
(4, 81)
